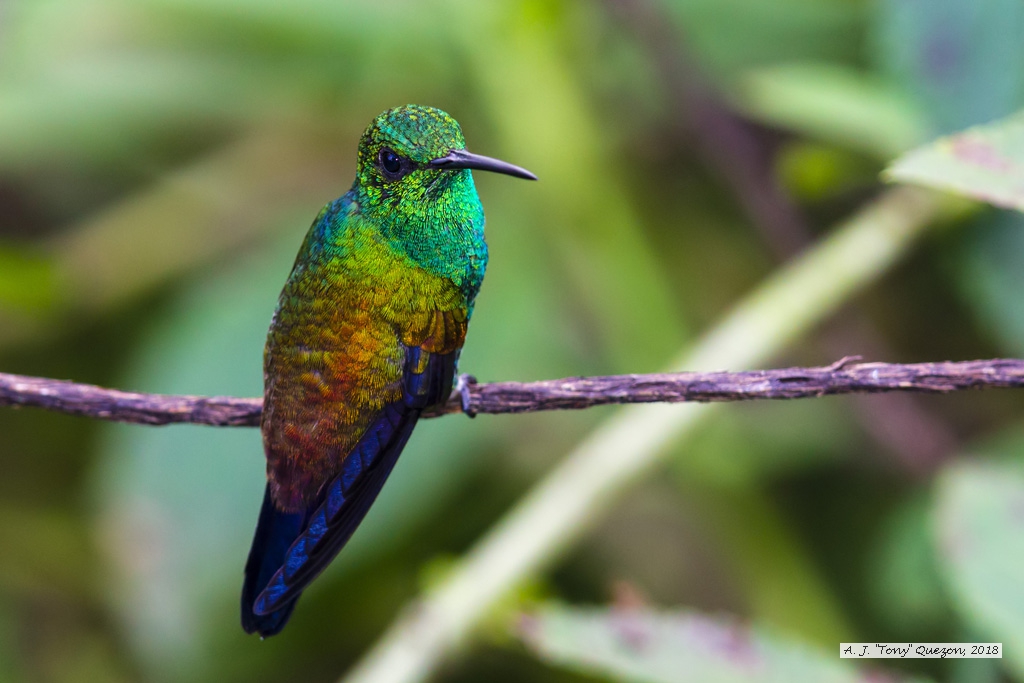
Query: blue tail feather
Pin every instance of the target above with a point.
(275, 533)
(291, 549)
(317, 546)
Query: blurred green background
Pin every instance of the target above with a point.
(160, 161)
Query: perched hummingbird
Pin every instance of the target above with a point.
(366, 335)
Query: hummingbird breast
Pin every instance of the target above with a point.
(336, 350)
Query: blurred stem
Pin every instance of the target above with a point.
(564, 505)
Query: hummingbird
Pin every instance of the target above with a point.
(366, 336)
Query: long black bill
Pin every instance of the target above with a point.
(460, 158)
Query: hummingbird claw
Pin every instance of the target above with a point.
(462, 386)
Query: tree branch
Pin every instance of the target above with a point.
(571, 393)
(123, 406)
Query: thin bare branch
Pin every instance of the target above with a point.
(572, 393)
(123, 406)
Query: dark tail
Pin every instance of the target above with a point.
(345, 501)
(290, 550)
(275, 533)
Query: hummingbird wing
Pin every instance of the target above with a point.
(279, 572)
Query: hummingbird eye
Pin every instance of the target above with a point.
(390, 163)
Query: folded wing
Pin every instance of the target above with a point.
(291, 549)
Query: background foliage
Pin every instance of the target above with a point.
(160, 161)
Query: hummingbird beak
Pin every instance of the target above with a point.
(460, 158)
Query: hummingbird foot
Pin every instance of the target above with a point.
(462, 386)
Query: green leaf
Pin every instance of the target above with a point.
(979, 522)
(834, 104)
(984, 163)
(677, 647)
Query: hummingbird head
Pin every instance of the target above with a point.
(415, 153)
(414, 180)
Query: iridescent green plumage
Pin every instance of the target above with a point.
(366, 335)
(382, 266)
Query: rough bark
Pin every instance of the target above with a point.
(572, 393)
